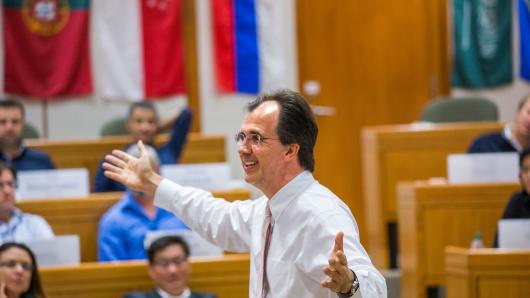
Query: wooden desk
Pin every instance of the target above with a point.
(394, 153)
(433, 216)
(487, 273)
(227, 276)
(89, 153)
(81, 215)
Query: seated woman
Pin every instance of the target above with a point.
(519, 204)
(19, 276)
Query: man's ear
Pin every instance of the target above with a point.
(128, 125)
(292, 151)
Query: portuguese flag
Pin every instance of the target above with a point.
(46, 48)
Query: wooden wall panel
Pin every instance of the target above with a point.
(376, 65)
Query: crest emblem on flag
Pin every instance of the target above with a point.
(45, 17)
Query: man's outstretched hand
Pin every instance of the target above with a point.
(135, 173)
(340, 277)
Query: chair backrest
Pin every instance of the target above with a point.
(447, 109)
(115, 127)
(30, 132)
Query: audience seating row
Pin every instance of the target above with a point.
(89, 153)
(227, 276)
(487, 273)
(433, 216)
(394, 153)
(81, 215)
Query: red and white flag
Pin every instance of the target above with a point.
(138, 48)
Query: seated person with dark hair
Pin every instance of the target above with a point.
(13, 152)
(519, 204)
(123, 227)
(143, 124)
(514, 137)
(170, 270)
(19, 275)
(16, 225)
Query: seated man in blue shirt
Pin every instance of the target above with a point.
(16, 226)
(123, 228)
(13, 152)
(513, 138)
(143, 124)
(169, 269)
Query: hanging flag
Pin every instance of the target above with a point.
(482, 43)
(524, 33)
(46, 48)
(139, 48)
(247, 40)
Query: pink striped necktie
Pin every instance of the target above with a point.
(267, 233)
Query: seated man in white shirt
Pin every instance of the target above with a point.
(16, 226)
(303, 240)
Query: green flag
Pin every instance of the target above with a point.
(482, 43)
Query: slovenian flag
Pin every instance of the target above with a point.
(46, 48)
(524, 32)
(247, 43)
(139, 49)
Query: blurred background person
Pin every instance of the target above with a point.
(169, 269)
(143, 124)
(16, 225)
(513, 138)
(19, 275)
(13, 151)
(123, 227)
(519, 204)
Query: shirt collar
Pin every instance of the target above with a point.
(164, 294)
(281, 200)
(21, 151)
(507, 133)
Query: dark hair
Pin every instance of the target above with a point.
(163, 242)
(35, 288)
(296, 124)
(522, 102)
(9, 102)
(5, 167)
(141, 104)
(523, 155)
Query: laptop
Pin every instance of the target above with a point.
(58, 251)
(514, 233)
(199, 247)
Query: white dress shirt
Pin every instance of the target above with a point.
(164, 294)
(306, 218)
(24, 226)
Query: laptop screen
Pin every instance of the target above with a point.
(58, 251)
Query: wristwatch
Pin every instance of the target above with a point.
(353, 290)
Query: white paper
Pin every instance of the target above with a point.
(58, 251)
(208, 176)
(199, 247)
(514, 233)
(483, 167)
(59, 183)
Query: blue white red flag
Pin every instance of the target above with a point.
(249, 55)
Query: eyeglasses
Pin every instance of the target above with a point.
(13, 264)
(178, 261)
(11, 184)
(255, 139)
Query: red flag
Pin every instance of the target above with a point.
(163, 47)
(46, 48)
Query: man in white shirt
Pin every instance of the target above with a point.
(16, 226)
(303, 239)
